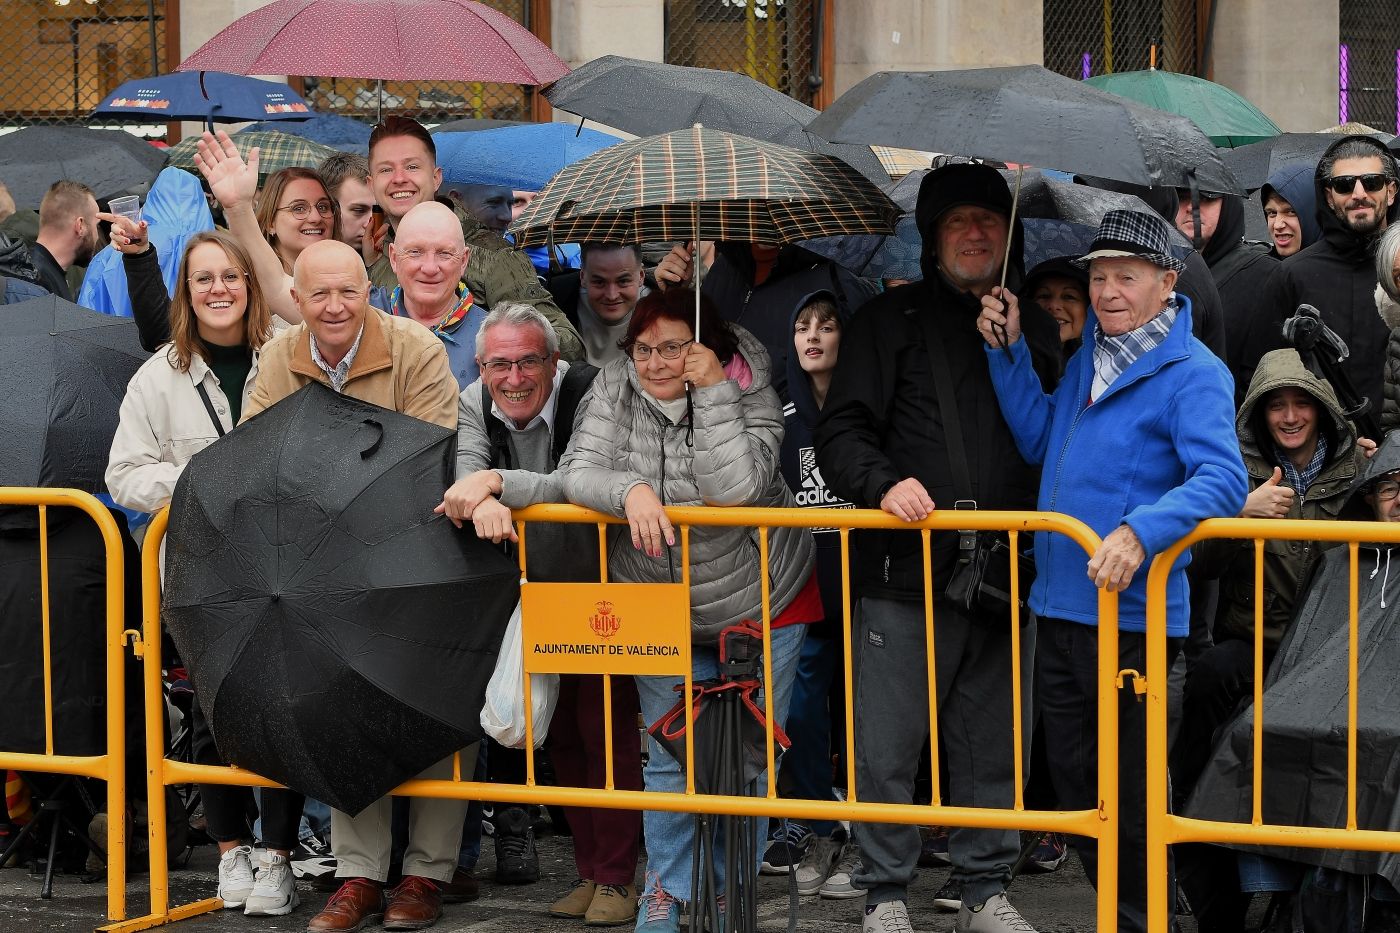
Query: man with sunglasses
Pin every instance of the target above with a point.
(1356, 186)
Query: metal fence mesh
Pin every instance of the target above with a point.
(1093, 37)
(61, 60)
(1368, 63)
(428, 101)
(770, 40)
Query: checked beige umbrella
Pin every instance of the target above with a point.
(696, 184)
(277, 151)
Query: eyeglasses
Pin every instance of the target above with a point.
(529, 366)
(301, 210)
(669, 350)
(203, 282)
(443, 257)
(1386, 489)
(1346, 184)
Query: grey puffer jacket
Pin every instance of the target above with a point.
(622, 439)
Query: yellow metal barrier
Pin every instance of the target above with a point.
(110, 767)
(1100, 823)
(1165, 828)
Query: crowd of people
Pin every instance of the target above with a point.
(1140, 388)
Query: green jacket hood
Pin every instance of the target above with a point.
(1280, 369)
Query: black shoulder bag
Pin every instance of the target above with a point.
(981, 581)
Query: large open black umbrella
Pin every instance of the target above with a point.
(63, 375)
(647, 98)
(1253, 164)
(339, 634)
(1030, 115)
(107, 161)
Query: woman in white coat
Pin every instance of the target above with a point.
(187, 396)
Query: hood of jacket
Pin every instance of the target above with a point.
(176, 204)
(953, 186)
(14, 260)
(1294, 183)
(1229, 230)
(799, 390)
(1386, 460)
(1334, 231)
(1280, 369)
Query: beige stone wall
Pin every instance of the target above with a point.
(587, 29)
(922, 35)
(1282, 56)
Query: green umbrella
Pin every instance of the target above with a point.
(278, 151)
(1226, 117)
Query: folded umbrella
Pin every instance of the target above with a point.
(523, 157)
(278, 150)
(203, 95)
(391, 40)
(648, 98)
(339, 634)
(107, 161)
(63, 375)
(1026, 115)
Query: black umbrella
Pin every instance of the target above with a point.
(63, 375)
(339, 634)
(107, 161)
(648, 98)
(1026, 114)
(1252, 165)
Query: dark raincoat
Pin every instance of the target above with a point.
(1294, 183)
(1241, 270)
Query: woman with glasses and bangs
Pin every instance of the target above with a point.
(295, 210)
(692, 419)
(185, 397)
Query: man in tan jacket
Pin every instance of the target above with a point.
(400, 364)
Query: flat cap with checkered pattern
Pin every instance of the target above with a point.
(1132, 233)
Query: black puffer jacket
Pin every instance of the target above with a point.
(882, 423)
(1336, 275)
(1241, 271)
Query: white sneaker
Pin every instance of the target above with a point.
(838, 885)
(274, 888)
(889, 917)
(995, 916)
(236, 876)
(817, 864)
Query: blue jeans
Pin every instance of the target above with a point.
(671, 836)
(806, 769)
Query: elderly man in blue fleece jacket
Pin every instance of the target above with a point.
(1138, 442)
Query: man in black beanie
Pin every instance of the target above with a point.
(911, 419)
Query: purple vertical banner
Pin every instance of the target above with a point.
(1086, 68)
(1397, 91)
(1343, 79)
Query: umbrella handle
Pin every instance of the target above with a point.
(378, 438)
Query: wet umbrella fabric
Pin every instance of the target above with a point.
(700, 183)
(339, 634)
(277, 150)
(473, 125)
(521, 157)
(648, 98)
(1253, 165)
(107, 161)
(388, 40)
(1028, 115)
(203, 95)
(344, 134)
(1223, 115)
(63, 375)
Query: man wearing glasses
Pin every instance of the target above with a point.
(1356, 184)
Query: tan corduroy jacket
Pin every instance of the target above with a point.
(401, 365)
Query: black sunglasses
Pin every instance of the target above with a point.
(1346, 184)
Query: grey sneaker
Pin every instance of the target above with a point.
(817, 864)
(889, 917)
(236, 876)
(274, 888)
(995, 916)
(838, 884)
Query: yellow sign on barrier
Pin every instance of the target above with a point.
(605, 628)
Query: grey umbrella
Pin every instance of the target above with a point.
(1026, 114)
(649, 98)
(107, 161)
(1252, 165)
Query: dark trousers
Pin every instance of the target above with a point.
(606, 842)
(226, 808)
(1067, 674)
(1220, 679)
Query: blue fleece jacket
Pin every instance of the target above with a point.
(1157, 451)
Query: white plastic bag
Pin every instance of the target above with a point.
(503, 714)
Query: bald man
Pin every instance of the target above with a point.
(429, 257)
(354, 349)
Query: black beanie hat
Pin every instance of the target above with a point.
(959, 185)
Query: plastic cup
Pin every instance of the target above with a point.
(129, 207)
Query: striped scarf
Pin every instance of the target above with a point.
(1113, 355)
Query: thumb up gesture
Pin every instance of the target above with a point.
(1271, 499)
